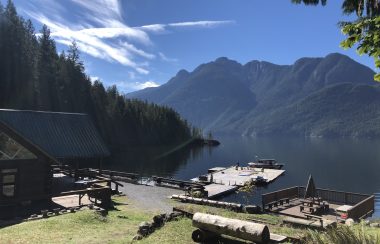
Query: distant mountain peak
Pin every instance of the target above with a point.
(225, 60)
(183, 72)
(256, 98)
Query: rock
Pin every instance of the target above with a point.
(171, 216)
(158, 220)
(349, 222)
(376, 225)
(144, 229)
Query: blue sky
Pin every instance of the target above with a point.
(140, 43)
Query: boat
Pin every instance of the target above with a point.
(260, 180)
(266, 164)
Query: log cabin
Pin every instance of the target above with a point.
(31, 142)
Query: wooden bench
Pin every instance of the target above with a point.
(278, 203)
(284, 200)
(311, 209)
(312, 216)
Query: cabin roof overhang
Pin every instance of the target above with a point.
(56, 136)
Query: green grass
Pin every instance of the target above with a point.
(121, 224)
(178, 231)
(274, 222)
(81, 227)
(358, 233)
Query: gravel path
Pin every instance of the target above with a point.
(152, 198)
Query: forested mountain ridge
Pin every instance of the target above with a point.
(34, 77)
(329, 96)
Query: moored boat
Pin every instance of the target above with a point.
(266, 164)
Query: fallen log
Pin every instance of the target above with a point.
(203, 236)
(232, 227)
(201, 201)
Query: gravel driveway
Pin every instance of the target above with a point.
(152, 198)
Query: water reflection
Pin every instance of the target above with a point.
(148, 161)
(341, 164)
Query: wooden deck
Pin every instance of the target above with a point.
(293, 210)
(216, 190)
(71, 201)
(238, 176)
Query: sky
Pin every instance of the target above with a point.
(136, 44)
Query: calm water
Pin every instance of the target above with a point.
(341, 164)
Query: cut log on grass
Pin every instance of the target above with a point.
(232, 227)
(202, 201)
(202, 236)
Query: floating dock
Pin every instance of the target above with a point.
(216, 190)
(238, 176)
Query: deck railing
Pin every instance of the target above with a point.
(362, 208)
(292, 192)
(339, 197)
(362, 203)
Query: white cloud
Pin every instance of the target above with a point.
(156, 28)
(101, 32)
(131, 33)
(94, 78)
(107, 11)
(131, 48)
(134, 86)
(167, 59)
(203, 23)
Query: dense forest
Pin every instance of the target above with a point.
(33, 76)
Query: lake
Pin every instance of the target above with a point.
(341, 164)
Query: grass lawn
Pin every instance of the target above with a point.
(121, 224)
(81, 227)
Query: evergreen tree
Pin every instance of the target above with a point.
(33, 76)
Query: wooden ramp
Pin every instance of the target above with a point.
(216, 190)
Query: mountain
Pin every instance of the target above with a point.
(329, 96)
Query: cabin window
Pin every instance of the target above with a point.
(9, 179)
(9, 190)
(10, 149)
(8, 182)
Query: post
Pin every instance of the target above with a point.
(100, 165)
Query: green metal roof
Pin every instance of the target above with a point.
(61, 135)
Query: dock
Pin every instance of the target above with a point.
(238, 176)
(216, 190)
